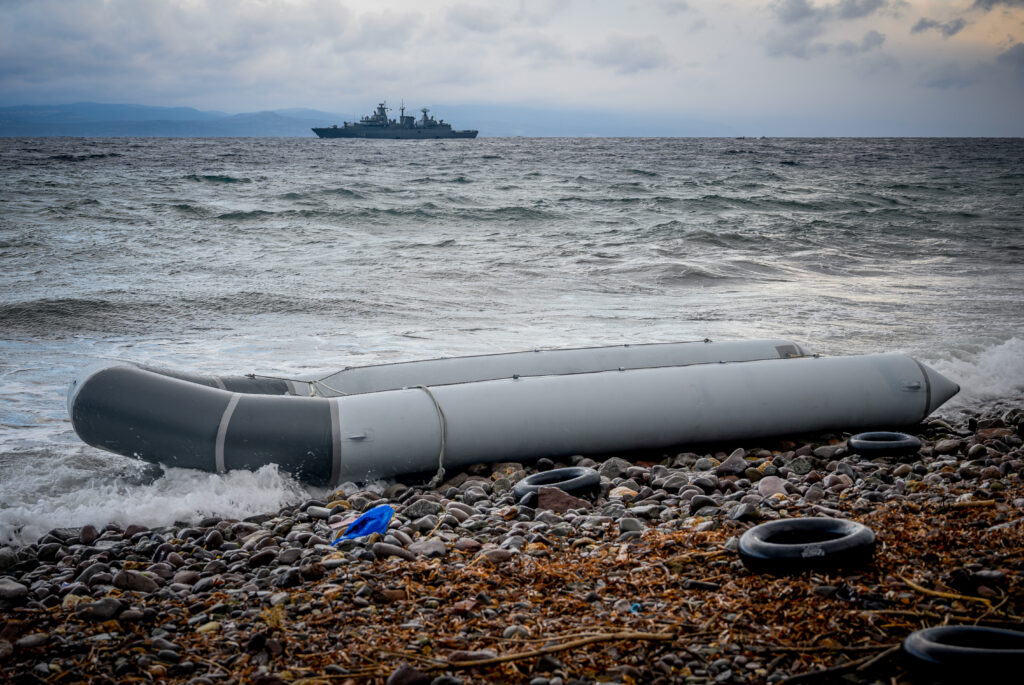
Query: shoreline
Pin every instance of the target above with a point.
(639, 582)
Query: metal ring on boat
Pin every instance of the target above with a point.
(952, 652)
(794, 545)
(883, 442)
(570, 479)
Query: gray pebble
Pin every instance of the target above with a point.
(383, 550)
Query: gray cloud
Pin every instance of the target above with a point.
(989, 5)
(803, 23)
(1013, 58)
(674, 8)
(871, 40)
(948, 30)
(796, 11)
(475, 18)
(630, 54)
(858, 9)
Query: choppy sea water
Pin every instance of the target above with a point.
(292, 256)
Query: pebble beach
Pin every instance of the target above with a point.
(638, 582)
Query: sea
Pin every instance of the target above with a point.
(295, 256)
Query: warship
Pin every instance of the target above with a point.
(377, 125)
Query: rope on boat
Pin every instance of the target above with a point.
(314, 385)
(439, 476)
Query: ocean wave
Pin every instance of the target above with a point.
(217, 178)
(60, 317)
(343, 192)
(253, 214)
(83, 158)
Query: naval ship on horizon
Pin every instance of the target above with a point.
(377, 125)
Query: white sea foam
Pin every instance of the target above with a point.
(180, 495)
(985, 374)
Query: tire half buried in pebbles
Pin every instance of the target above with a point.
(572, 479)
(884, 443)
(954, 653)
(801, 544)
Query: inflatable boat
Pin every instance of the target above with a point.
(383, 420)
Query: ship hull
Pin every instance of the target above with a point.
(391, 133)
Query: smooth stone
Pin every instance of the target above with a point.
(648, 511)
(704, 464)
(135, 581)
(814, 494)
(734, 465)
(613, 468)
(186, 577)
(827, 452)
(700, 501)
(433, 548)
(468, 545)
(89, 571)
(11, 590)
(977, 451)
(383, 550)
(559, 501)
(32, 641)
(262, 557)
(947, 446)
(88, 534)
(407, 675)
(629, 523)
(771, 485)
(421, 508)
(289, 556)
(708, 483)
(675, 483)
(801, 465)
(515, 631)
(102, 610)
(318, 512)
(622, 491)
(8, 558)
(837, 481)
(846, 469)
(744, 512)
(496, 556)
(424, 524)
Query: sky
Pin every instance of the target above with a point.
(757, 67)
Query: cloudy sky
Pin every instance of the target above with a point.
(773, 67)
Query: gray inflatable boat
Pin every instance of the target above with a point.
(383, 420)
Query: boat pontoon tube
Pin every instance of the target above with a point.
(138, 412)
(444, 371)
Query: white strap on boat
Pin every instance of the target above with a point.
(439, 476)
(222, 432)
(335, 440)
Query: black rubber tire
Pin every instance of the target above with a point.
(572, 479)
(883, 443)
(951, 653)
(795, 545)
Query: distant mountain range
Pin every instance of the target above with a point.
(90, 119)
(100, 120)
